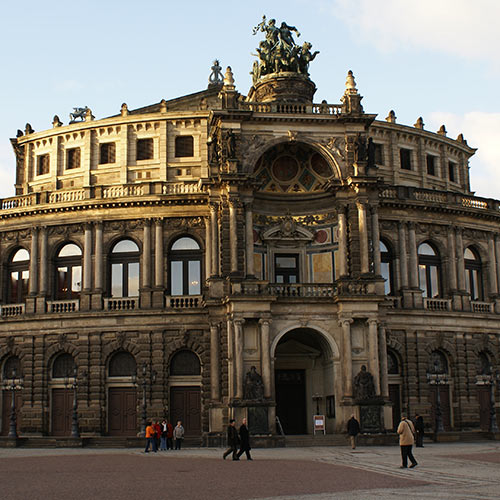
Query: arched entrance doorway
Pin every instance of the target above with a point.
(304, 380)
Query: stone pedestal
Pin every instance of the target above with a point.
(371, 416)
(286, 87)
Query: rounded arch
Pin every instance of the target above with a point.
(62, 365)
(119, 345)
(121, 363)
(439, 362)
(184, 362)
(10, 365)
(188, 344)
(175, 237)
(330, 162)
(436, 247)
(71, 249)
(18, 254)
(394, 362)
(333, 349)
(124, 244)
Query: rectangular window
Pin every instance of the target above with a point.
(184, 146)
(133, 279)
(405, 157)
(145, 149)
(431, 165)
(176, 277)
(117, 280)
(379, 153)
(42, 164)
(286, 268)
(72, 158)
(194, 277)
(452, 171)
(107, 153)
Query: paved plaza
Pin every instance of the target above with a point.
(445, 471)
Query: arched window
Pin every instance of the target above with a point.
(11, 368)
(19, 275)
(473, 275)
(68, 272)
(63, 366)
(185, 267)
(386, 268)
(393, 367)
(438, 363)
(124, 262)
(429, 271)
(483, 364)
(122, 364)
(185, 363)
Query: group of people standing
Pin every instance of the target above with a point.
(237, 438)
(163, 436)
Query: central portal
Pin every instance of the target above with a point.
(304, 381)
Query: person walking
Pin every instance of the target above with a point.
(157, 428)
(150, 438)
(178, 435)
(232, 440)
(419, 430)
(406, 433)
(353, 430)
(244, 440)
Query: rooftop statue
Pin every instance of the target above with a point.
(78, 113)
(278, 52)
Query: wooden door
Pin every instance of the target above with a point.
(291, 400)
(185, 405)
(395, 397)
(6, 406)
(122, 411)
(444, 393)
(62, 410)
(483, 396)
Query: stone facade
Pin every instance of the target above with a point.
(166, 251)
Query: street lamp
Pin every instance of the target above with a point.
(145, 384)
(491, 379)
(437, 379)
(15, 385)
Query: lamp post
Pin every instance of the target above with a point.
(14, 386)
(75, 430)
(437, 379)
(491, 379)
(145, 384)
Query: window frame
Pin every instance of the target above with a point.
(73, 154)
(43, 164)
(107, 151)
(426, 263)
(125, 259)
(474, 275)
(145, 149)
(405, 159)
(18, 267)
(185, 257)
(179, 148)
(71, 262)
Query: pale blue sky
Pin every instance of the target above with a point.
(434, 58)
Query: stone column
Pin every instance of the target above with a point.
(214, 362)
(452, 268)
(403, 264)
(249, 239)
(230, 358)
(215, 238)
(363, 238)
(159, 271)
(146, 255)
(492, 267)
(87, 258)
(208, 248)
(413, 255)
(44, 264)
(460, 261)
(99, 264)
(382, 346)
(373, 351)
(342, 244)
(33, 280)
(266, 356)
(347, 356)
(238, 355)
(376, 242)
(233, 239)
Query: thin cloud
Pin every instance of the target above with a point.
(461, 28)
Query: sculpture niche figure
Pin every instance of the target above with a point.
(279, 53)
(364, 386)
(254, 385)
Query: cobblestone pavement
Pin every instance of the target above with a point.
(458, 471)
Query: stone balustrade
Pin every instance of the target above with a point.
(10, 310)
(121, 303)
(437, 304)
(482, 307)
(184, 301)
(63, 306)
(292, 108)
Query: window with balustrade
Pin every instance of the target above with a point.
(387, 267)
(18, 272)
(429, 271)
(124, 269)
(473, 274)
(185, 267)
(68, 265)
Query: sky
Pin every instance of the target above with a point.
(439, 59)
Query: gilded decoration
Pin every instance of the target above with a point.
(310, 220)
(292, 168)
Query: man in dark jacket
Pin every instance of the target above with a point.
(419, 431)
(232, 440)
(353, 430)
(244, 440)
